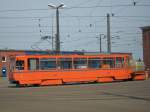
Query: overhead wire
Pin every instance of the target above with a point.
(78, 16)
(74, 7)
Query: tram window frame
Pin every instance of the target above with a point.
(35, 66)
(48, 63)
(80, 63)
(65, 63)
(4, 58)
(108, 62)
(119, 62)
(94, 63)
(12, 64)
(20, 65)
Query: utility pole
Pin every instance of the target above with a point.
(57, 42)
(108, 34)
(52, 35)
(100, 42)
(57, 31)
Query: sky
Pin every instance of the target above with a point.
(24, 22)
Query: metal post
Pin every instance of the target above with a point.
(108, 34)
(57, 42)
(52, 35)
(57, 31)
(100, 40)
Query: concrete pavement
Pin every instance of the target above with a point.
(130, 96)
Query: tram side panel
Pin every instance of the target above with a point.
(68, 76)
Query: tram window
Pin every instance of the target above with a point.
(119, 62)
(33, 64)
(128, 61)
(65, 63)
(94, 63)
(80, 63)
(19, 65)
(108, 63)
(3, 59)
(47, 63)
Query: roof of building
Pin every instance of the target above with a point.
(145, 28)
(14, 50)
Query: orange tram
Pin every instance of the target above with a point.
(28, 70)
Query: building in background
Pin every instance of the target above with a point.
(146, 46)
(4, 60)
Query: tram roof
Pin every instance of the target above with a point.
(75, 55)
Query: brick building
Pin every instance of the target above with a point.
(4, 60)
(146, 46)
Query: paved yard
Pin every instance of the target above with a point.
(131, 96)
